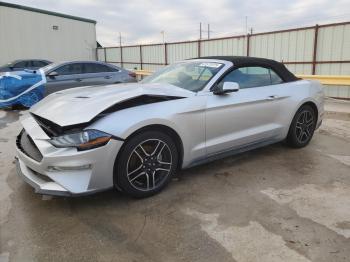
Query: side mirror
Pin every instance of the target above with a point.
(227, 87)
(52, 74)
(11, 67)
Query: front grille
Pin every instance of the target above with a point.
(26, 144)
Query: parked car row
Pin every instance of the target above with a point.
(16, 89)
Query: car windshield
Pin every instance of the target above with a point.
(192, 76)
(49, 67)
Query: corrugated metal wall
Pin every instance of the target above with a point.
(181, 51)
(323, 50)
(290, 46)
(113, 55)
(334, 45)
(233, 46)
(28, 34)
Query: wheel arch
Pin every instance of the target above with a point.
(313, 106)
(154, 127)
(301, 104)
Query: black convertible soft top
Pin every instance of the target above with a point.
(243, 61)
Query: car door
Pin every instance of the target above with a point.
(98, 74)
(246, 117)
(68, 76)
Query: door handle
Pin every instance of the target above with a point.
(108, 77)
(78, 80)
(273, 97)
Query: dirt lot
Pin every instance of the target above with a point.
(272, 204)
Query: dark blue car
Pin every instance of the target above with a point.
(19, 65)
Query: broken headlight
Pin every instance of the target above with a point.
(84, 140)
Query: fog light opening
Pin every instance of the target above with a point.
(68, 168)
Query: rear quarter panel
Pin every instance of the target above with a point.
(301, 92)
(313, 92)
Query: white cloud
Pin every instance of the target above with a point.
(142, 21)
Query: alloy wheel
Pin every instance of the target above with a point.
(149, 164)
(304, 126)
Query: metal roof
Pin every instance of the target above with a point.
(22, 7)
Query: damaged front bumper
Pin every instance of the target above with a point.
(41, 184)
(63, 171)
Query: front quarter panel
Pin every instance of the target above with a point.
(185, 116)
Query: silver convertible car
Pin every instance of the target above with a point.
(134, 137)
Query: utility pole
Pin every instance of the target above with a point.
(201, 31)
(120, 39)
(121, 49)
(163, 35)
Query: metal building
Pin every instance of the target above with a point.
(28, 33)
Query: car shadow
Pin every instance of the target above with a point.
(182, 177)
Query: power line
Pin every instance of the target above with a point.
(208, 31)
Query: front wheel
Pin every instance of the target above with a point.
(302, 128)
(146, 164)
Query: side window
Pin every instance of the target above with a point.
(39, 64)
(255, 76)
(70, 69)
(275, 79)
(105, 68)
(22, 64)
(98, 68)
(89, 68)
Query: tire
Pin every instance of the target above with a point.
(146, 164)
(302, 127)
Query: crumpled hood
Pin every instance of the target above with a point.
(80, 105)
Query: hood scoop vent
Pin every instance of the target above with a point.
(83, 97)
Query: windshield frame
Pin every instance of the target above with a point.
(51, 67)
(225, 65)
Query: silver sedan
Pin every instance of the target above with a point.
(135, 137)
(64, 75)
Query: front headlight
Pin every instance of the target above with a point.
(83, 140)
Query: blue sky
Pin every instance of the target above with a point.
(141, 22)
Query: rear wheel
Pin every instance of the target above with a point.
(302, 128)
(146, 164)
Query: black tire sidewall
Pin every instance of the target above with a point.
(292, 137)
(126, 150)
